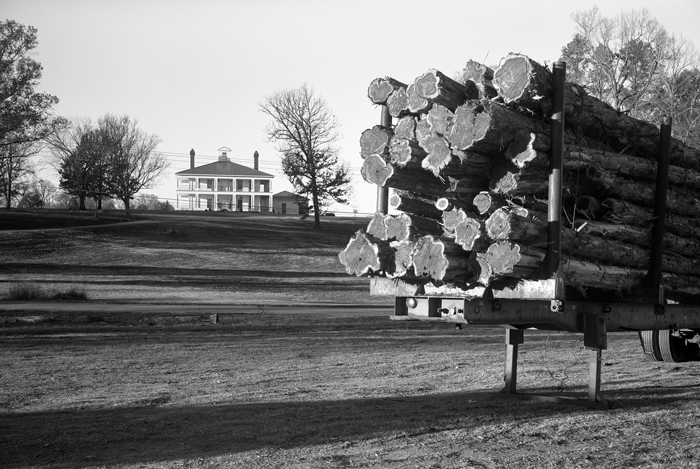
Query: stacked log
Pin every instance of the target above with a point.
(468, 162)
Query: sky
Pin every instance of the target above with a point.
(195, 72)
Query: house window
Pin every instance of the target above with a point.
(243, 185)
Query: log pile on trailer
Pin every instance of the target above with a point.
(467, 161)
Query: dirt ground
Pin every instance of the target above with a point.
(317, 391)
(306, 390)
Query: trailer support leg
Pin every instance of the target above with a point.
(514, 337)
(595, 341)
(594, 367)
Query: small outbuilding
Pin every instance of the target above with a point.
(288, 203)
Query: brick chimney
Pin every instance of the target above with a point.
(192, 158)
(256, 155)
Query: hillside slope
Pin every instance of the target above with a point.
(184, 257)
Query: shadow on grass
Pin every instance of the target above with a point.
(157, 432)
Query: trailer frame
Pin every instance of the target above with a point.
(541, 303)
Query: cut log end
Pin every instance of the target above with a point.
(375, 141)
(398, 103)
(429, 259)
(363, 255)
(376, 171)
(467, 233)
(522, 80)
(380, 89)
(498, 224)
(502, 256)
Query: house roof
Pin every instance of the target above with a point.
(223, 168)
(285, 194)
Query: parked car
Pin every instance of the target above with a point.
(328, 214)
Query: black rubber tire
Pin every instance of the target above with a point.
(650, 345)
(672, 348)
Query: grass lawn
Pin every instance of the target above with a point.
(200, 257)
(306, 390)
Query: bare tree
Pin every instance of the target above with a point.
(150, 202)
(633, 64)
(131, 159)
(620, 57)
(46, 190)
(79, 159)
(305, 132)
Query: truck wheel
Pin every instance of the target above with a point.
(650, 345)
(672, 348)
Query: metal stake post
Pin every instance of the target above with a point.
(551, 264)
(657, 237)
(514, 337)
(383, 192)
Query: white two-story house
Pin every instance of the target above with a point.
(224, 185)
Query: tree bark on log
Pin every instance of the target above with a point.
(381, 88)
(530, 181)
(505, 225)
(377, 171)
(457, 165)
(375, 141)
(443, 90)
(446, 204)
(487, 202)
(632, 167)
(682, 201)
(686, 247)
(595, 119)
(527, 150)
(588, 206)
(488, 127)
(441, 260)
(513, 260)
(623, 212)
(466, 188)
(482, 76)
(365, 255)
(530, 148)
(409, 203)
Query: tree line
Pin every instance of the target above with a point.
(633, 64)
(111, 159)
(630, 62)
